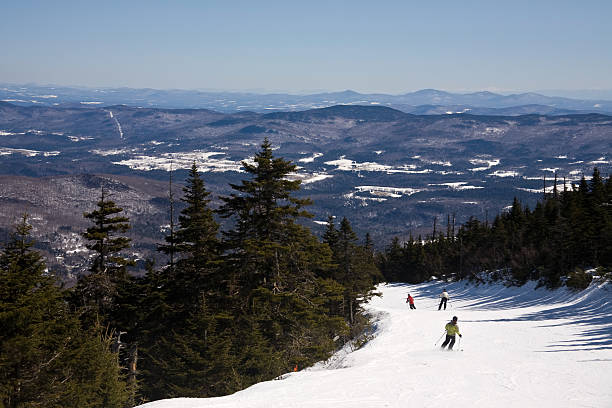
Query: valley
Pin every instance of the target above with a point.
(390, 173)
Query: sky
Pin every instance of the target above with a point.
(297, 46)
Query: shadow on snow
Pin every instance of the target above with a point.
(590, 308)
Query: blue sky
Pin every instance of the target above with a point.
(368, 46)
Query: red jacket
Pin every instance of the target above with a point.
(410, 300)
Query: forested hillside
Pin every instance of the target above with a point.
(566, 233)
(229, 308)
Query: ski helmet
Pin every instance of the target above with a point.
(454, 318)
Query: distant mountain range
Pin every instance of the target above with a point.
(423, 102)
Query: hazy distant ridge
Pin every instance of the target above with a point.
(426, 101)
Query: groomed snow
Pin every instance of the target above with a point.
(521, 347)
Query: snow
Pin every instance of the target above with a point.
(494, 130)
(182, 160)
(350, 165)
(458, 186)
(344, 164)
(521, 347)
(601, 160)
(394, 192)
(112, 152)
(504, 173)
(5, 151)
(352, 196)
(549, 189)
(488, 162)
(442, 163)
(309, 178)
(311, 158)
(79, 138)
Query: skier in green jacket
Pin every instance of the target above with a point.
(452, 329)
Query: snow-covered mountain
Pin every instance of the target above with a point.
(521, 347)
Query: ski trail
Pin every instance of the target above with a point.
(520, 347)
(117, 123)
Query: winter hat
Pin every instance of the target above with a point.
(454, 318)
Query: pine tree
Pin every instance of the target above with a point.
(47, 360)
(196, 245)
(282, 294)
(108, 295)
(108, 270)
(185, 344)
(356, 270)
(196, 236)
(330, 237)
(169, 248)
(265, 212)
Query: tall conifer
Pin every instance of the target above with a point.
(47, 359)
(108, 269)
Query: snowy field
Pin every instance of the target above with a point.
(520, 348)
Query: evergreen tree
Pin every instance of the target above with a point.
(196, 245)
(196, 237)
(330, 237)
(108, 296)
(565, 233)
(169, 248)
(265, 213)
(285, 303)
(184, 342)
(108, 270)
(47, 359)
(356, 270)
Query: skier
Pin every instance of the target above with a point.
(410, 300)
(443, 299)
(451, 330)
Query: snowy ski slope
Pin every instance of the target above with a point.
(520, 348)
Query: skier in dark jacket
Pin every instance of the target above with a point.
(410, 300)
(452, 329)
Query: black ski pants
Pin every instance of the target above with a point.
(443, 301)
(412, 306)
(450, 340)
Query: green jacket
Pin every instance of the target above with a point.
(451, 329)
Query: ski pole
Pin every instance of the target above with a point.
(440, 338)
(459, 345)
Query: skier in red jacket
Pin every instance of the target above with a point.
(410, 300)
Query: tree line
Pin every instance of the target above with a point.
(230, 308)
(568, 231)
